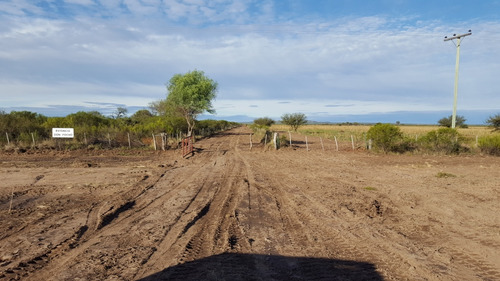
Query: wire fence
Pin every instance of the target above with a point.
(103, 140)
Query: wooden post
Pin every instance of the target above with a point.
(477, 140)
(307, 144)
(352, 142)
(276, 141)
(290, 136)
(251, 144)
(154, 141)
(265, 141)
(370, 142)
(85, 138)
(33, 138)
(109, 140)
(322, 146)
(128, 135)
(164, 141)
(11, 199)
(336, 143)
(8, 141)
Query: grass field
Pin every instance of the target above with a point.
(344, 132)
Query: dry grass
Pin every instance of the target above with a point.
(344, 132)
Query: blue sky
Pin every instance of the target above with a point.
(336, 61)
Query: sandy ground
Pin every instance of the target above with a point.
(231, 213)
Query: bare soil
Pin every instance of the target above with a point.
(231, 213)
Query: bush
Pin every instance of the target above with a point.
(494, 121)
(264, 122)
(294, 120)
(490, 144)
(445, 140)
(284, 141)
(459, 121)
(386, 137)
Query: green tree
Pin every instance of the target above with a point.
(263, 122)
(459, 122)
(120, 112)
(158, 108)
(191, 94)
(294, 120)
(141, 116)
(494, 121)
(87, 119)
(18, 122)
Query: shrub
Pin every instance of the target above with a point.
(490, 144)
(264, 122)
(284, 141)
(445, 175)
(294, 120)
(494, 121)
(385, 137)
(445, 140)
(459, 121)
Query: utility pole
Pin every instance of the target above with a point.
(458, 37)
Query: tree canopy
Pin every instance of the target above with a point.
(263, 122)
(191, 94)
(294, 120)
(494, 121)
(459, 122)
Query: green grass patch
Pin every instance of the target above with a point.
(445, 175)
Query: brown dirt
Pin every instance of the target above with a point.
(231, 213)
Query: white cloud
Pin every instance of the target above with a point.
(314, 107)
(80, 2)
(15, 93)
(374, 64)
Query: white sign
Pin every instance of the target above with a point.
(63, 133)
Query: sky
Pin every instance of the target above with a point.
(333, 60)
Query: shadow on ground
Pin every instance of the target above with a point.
(236, 267)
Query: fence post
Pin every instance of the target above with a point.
(276, 140)
(322, 146)
(290, 136)
(477, 140)
(162, 141)
(352, 142)
(128, 136)
(336, 143)
(370, 144)
(154, 141)
(307, 145)
(8, 141)
(85, 138)
(251, 142)
(33, 138)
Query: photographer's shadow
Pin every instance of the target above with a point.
(235, 266)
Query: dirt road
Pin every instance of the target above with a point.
(231, 213)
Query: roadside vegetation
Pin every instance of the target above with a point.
(390, 138)
(24, 129)
(188, 96)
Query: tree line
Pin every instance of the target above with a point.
(93, 128)
(188, 96)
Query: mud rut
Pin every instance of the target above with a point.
(228, 213)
